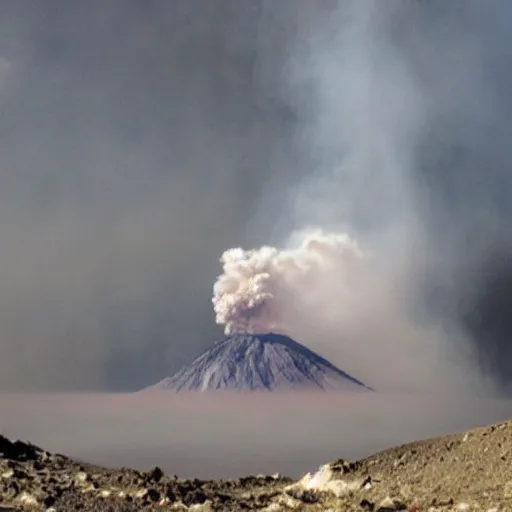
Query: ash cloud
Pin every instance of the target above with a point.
(406, 105)
(263, 290)
(139, 140)
(413, 97)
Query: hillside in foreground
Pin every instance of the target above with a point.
(461, 472)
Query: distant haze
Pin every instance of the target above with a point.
(141, 140)
(232, 435)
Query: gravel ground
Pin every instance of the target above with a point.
(462, 472)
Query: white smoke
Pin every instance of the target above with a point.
(349, 303)
(374, 98)
(263, 290)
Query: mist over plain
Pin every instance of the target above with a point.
(235, 434)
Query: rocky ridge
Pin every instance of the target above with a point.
(461, 472)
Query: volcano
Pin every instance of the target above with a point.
(252, 362)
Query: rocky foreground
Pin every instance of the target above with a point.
(461, 472)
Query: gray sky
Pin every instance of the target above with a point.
(140, 139)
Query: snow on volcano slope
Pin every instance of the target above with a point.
(245, 362)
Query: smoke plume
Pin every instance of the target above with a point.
(387, 92)
(264, 290)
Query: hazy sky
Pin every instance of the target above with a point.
(140, 139)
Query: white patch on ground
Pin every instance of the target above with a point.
(8, 473)
(325, 480)
(284, 502)
(27, 499)
(204, 507)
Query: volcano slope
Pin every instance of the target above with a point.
(466, 471)
(253, 362)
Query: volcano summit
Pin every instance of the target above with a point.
(250, 362)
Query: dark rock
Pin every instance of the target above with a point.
(59, 491)
(344, 466)
(21, 475)
(170, 494)
(222, 498)
(367, 505)
(309, 496)
(18, 450)
(182, 489)
(155, 475)
(304, 495)
(13, 486)
(49, 501)
(442, 502)
(23, 451)
(40, 467)
(197, 496)
(246, 481)
(153, 494)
